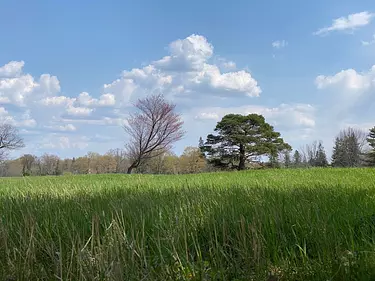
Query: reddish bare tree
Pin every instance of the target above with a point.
(152, 130)
(9, 139)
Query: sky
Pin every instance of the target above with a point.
(70, 71)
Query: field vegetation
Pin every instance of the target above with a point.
(286, 224)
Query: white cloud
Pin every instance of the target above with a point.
(229, 65)
(57, 101)
(350, 22)
(187, 54)
(55, 141)
(107, 100)
(348, 79)
(279, 44)
(3, 111)
(185, 71)
(100, 122)
(240, 81)
(63, 128)
(84, 99)
(207, 116)
(79, 111)
(368, 43)
(285, 115)
(16, 89)
(12, 69)
(25, 120)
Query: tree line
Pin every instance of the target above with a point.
(114, 161)
(240, 142)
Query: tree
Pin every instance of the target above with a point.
(49, 164)
(152, 130)
(105, 164)
(349, 148)
(314, 154)
(287, 161)
(297, 160)
(240, 139)
(119, 156)
(371, 142)
(27, 161)
(9, 140)
(320, 157)
(81, 165)
(192, 161)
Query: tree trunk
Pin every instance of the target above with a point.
(241, 166)
(131, 167)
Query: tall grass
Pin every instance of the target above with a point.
(316, 224)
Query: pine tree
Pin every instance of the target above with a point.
(321, 157)
(371, 142)
(337, 154)
(201, 142)
(347, 151)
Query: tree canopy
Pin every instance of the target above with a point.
(240, 139)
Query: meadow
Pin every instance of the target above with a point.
(300, 224)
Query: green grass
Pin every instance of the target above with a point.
(316, 224)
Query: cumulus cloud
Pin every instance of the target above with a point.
(11, 69)
(348, 79)
(187, 70)
(187, 54)
(57, 101)
(79, 111)
(279, 44)
(351, 22)
(85, 99)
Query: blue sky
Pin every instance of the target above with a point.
(69, 70)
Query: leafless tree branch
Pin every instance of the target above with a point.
(9, 139)
(152, 130)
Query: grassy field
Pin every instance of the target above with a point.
(316, 224)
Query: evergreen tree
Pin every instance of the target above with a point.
(201, 142)
(347, 151)
(240, 139)
(274, 161)
(321, 157)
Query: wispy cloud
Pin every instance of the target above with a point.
(279, 44)
(368, 43)
(350, 22)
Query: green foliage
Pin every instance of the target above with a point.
(347, 150)
(240, 139)
(321, 157)
(315, 224)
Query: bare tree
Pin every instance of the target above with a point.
(27, 161)
(152, 130)
(9, 139)
(49, 164)
(119, 155)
